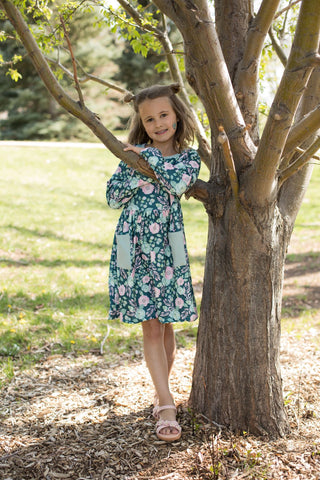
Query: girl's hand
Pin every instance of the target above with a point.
(133, 148)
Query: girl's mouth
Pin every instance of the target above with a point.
(161, 132)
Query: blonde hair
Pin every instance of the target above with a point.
(184, 134)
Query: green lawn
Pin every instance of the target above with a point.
(56, 236)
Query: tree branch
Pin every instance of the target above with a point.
(300, 131)
(86, 76)
(284, 106)
(75, 73)
(286, 9)
(228, 158)
(277, 48)
(300, 162)
(246, 79)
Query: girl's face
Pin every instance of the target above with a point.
(159, 120)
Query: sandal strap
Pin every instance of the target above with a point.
(168, 423)
(157, 409)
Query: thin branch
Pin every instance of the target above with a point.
(75, 73)
(86, 76)
(286, 8)
(300, 162)
(246, 79)
(228, 158)
(300, 131)
(277, 48)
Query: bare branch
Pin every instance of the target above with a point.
(246, 79)
(277, 48)
(87, 76)
(228, 158)
(300, 162)
(75, 73)
(302, 130)
(286, 8)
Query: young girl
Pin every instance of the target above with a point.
(149, 281)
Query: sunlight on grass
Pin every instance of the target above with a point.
(57, 233)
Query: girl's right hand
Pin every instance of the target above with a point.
(133, 148)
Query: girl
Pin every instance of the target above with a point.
(149, 279)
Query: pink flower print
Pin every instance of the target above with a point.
(153, 256)
(154, 228)
(180, 281)
(193, 317)
(143, 300)
(122, 290)
(186, 178)
(146, 279)
(169, 273)
(139, 218)
(118, 170)
(168, 166)
(165, 213)
(148, 188)
(135, 239)
(179, 302)
(125, 228)
(194, 164)
(141, 182)
(156, 292)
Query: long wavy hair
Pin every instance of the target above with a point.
(184, 134)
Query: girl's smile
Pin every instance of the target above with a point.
(160, 122)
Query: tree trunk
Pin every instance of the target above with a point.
(236, 378)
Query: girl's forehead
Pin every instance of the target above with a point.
(154, 106)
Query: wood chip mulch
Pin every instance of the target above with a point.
(80, 418)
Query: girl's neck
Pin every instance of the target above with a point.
(166, 150)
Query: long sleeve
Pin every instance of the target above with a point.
(177, 176)
(123, 185)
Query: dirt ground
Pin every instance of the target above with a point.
(81, 418)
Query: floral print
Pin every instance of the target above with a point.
(149, 267)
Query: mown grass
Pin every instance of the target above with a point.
(56, 236)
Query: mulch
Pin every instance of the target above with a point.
(82, 418)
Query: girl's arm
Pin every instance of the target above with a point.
(177, 177)
(123, 185)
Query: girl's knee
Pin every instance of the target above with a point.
(153, 330)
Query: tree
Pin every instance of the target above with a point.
(255, 189)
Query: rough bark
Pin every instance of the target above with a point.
(236, 379)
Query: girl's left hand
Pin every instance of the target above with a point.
(133, 148)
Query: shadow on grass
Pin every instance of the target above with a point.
(299, 264)
(54, 236)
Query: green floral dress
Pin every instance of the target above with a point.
(149, 266)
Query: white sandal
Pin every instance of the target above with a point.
(161, 424)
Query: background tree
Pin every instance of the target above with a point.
(255, 189)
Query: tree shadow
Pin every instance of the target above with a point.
(82, 422)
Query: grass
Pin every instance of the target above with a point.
(56, 236)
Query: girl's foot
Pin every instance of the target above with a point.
(167, 428)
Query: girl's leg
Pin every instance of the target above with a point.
(169, 345)
(158, 363)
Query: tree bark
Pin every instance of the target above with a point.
(236, 378)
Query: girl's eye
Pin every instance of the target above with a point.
(149, 120)
(163, 115)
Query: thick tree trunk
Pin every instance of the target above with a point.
(236, 379)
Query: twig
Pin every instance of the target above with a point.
(286, 8)
(104, 339)
(75, 73)
(300, 162)
(225, 145)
